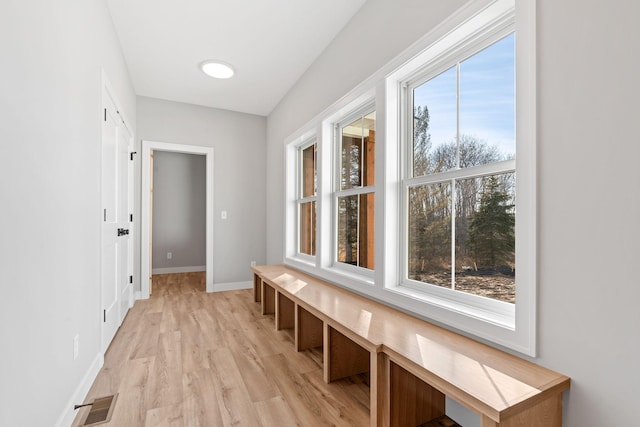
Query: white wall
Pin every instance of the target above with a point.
(588, 179)
(50, 127)
(239, 147)
(179, 210)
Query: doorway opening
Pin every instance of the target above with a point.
(151, 149)
(178, 217)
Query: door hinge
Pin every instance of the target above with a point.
(130, 217)
(131, 155)
(130, 279)
(104, 316)
(105, 114)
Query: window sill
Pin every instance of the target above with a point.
(336, 275)
(482, 309)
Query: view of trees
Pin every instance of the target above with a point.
(491, 232)
(356, 211)
(483, 209)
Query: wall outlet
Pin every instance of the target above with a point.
(169, 255)
(76, 346)
(253, 263)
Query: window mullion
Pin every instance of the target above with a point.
(307, 199)
(496, 168)
(458, 115)
(356, 191)
(358, 261)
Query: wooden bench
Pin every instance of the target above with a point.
(412, 364)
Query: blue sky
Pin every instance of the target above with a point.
(487, 95)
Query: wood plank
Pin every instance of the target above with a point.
(257, 288)
(200, 406)
(335, 402)
(413, 402)
(275, 412)
(294, 390)
(268, 299)
(480, 377)
(145, 357)
(380, 389)
(167, 416)
(285, 312)
(147, 344)
(254, 375)
(442, 421)
(311, 399)
(165, 381)
(222, 311)
(345, 357)
(309, 330)
(547, 413)
(244, 308)
(231, 393)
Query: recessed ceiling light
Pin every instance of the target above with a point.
(217, 69)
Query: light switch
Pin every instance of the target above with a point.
(223, 214)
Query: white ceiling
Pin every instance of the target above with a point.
(270, 43)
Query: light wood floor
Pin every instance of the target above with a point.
(188, 358)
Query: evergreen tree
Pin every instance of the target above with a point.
(421, 141)
(491, 233)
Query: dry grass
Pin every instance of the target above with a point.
(496, 286)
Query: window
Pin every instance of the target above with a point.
(460, 185)
(437, 154)
(355, 191)
(306, 201)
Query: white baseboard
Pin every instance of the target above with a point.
(232, 286)
(169, 270)
(138, 295)
(68, 414)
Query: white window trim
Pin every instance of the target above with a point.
(357, 273)
(293, 181)
(301, 200)
(507, 324)
(466, 316)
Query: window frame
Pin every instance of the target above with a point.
(337, 124)
(301, 199)
(293, 179)
(513, 327)
(498, 311)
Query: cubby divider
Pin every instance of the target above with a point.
(411, 365)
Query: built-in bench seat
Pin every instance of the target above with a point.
(412, 364)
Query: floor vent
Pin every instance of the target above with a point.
(100, 411)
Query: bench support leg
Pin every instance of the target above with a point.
(547, 413)
(379, 389)
(413, 402)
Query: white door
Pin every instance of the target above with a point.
(125, 263)
(115, 211)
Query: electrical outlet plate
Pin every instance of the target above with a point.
(253, 263)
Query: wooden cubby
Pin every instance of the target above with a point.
(285, 312)
(343, 357)
(309, 330)
(411, 365)
(268, 299)
(413, 402)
